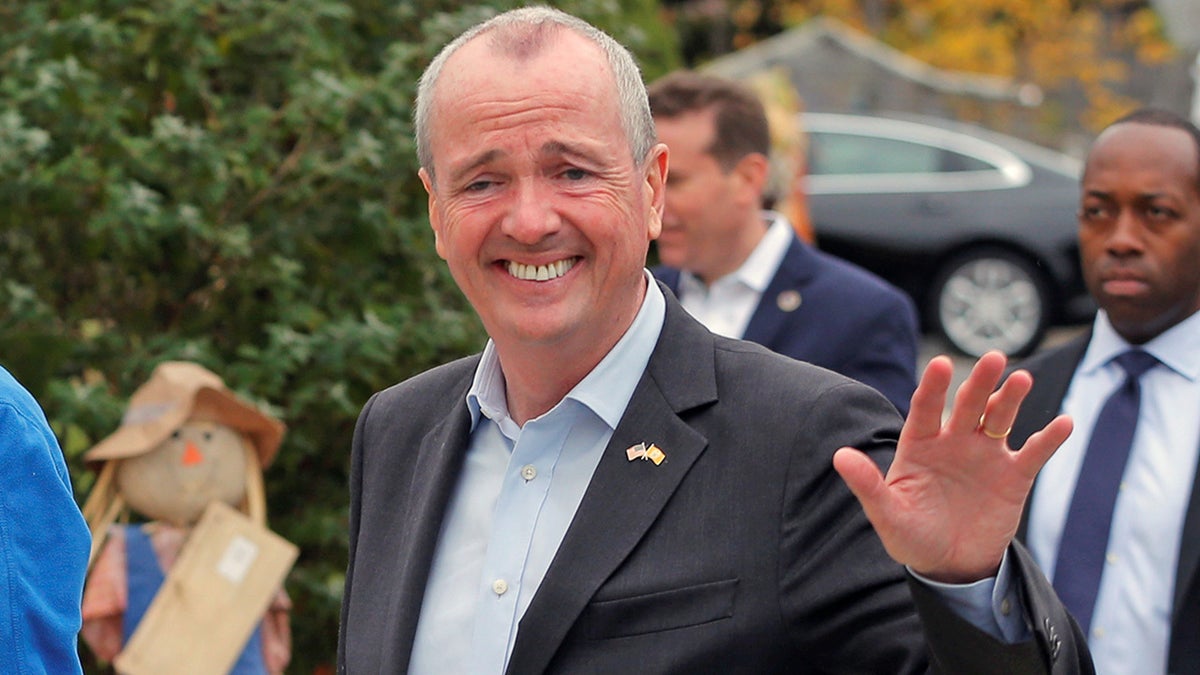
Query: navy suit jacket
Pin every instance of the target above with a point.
(848, 320)
(743, 552)
(1052, 372)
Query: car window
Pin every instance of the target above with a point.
(853, 154)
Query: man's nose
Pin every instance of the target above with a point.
(1126, 235)
(532, 216)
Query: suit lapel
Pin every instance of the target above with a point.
(433, 479)
(782, 297)
(624, 498)
(1189, 552)
(1052, 372)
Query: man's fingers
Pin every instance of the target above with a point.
(972, 396)
(1002, 406)
(1041, 445)
(929, 400)
(863, 478)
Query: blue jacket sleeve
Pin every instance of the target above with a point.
(44, 542)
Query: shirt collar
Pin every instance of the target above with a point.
(759, 268)
(1178, 347)
(605, 390)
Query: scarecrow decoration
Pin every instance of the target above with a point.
(188, 460)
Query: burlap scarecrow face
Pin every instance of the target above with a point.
(200, 462)
(184, 442)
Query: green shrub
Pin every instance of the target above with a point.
(233, 183)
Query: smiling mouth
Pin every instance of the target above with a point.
(541, 272)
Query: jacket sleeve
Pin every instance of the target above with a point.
(1057, 647)
(44, 546)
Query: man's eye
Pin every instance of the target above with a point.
(478, 186)
(575, 174)
(1159, 212)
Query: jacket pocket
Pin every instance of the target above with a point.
(659, 611)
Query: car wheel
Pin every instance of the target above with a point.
(990, 299)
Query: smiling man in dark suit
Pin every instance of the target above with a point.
(742, 271)
(609, 487)
(1132, 581)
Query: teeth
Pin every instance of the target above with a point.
(540, 272)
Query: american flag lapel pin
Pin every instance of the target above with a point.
(642, 452)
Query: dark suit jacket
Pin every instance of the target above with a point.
(743, 552)
(848, 320)
(1052, 371)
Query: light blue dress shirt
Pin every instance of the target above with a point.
(519, 490)
(1131, 623)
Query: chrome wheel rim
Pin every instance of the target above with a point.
(990, 303)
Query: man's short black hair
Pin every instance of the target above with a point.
(1159, 117)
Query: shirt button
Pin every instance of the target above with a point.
(1005, 607)
(1098, 632)
(499, 587)
(1111, 558)
(528, 472)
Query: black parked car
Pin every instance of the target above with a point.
(979, 228)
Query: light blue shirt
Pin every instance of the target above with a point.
(991, 605)
(519, 490)
(1131, 622)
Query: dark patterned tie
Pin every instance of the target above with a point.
(1084, 543)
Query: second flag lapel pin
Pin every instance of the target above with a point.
(640, 451)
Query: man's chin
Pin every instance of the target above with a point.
(1137, 322)
(669, 257)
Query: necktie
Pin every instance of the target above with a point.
(1081, 552)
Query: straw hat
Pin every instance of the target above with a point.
(176, 392)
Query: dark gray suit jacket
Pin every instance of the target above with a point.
(1052, 371)
(742, 553)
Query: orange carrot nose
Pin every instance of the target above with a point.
(192, 454)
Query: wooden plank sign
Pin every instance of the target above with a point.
(212, 598)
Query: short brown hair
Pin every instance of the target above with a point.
(741, 121)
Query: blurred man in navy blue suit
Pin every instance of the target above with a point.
(742, 271)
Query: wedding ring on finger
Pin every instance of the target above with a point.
(992, 434)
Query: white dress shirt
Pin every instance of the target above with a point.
(726, 306)
(1131, 621)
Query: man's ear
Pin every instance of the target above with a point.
(435, 218)
(656, 188)
(750, 176)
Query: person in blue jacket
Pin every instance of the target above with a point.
(44, 542)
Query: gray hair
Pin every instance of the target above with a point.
(522, 30)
